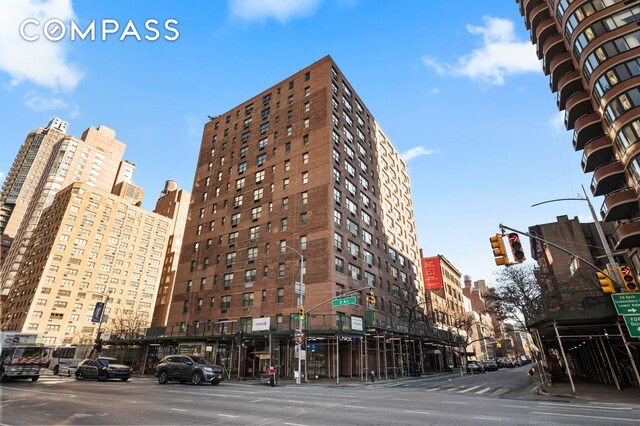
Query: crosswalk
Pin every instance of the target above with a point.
(483, 390)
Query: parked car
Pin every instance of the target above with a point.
(193, 369)
(474, 367)
(508, 363)
(490, 366)
(103, 369)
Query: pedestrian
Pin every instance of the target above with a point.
(272, 376)
(373, 376)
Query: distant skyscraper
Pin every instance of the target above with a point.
(94, 159)
(589, 50)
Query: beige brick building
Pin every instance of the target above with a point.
(89, 243)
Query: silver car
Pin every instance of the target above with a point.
(188, 368)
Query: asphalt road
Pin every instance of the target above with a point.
(486, 399)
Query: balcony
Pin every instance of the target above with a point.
(627, 235)
(538, 14)
(568, 85)
(597, 152)
(558, 67)
(578, 105)
(552, 48)
(607, 178)
(586, 128)
(544, 31)
(529, 5)
(619, 205)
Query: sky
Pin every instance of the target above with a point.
(456, 86)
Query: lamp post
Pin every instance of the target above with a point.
(300, 307)
(605, 244)
(97, 347)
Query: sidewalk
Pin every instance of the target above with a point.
(589, 391)
(350, 381)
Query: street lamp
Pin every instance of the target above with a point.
(97, 347)
(605, 244)
(300, 308)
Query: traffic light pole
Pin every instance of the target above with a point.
(300, 309)
(562, 249)
(612, 265)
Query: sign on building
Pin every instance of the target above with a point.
(261, 324)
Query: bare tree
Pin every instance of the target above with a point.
(518, 295)
(469, 328)
(128, 325)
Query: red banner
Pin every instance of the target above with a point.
(432, 273)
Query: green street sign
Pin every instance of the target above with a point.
(296, 318)
(346, 301)
(633, 324)
(627, 303)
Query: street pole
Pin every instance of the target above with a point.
(612, 265)
(300, 319)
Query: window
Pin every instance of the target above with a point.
(265, 112)
(262, 143)
(280, 295)
(250, 275)
(252, 253)
(243, 151)
(307, 91)
(257, 194)
(283, 246)
(233, 237)
(225, 302)
(354, 272)
(337, 241)
(303, 219)
(261, 159)
(281, 270)
(260, 176)
(337, 217)
(287, 165)
(304, 198)
(285, 203)
(256, 212)
(305, 178)
(283, 224)
(303, 242)
(287, 147)
(254, 233)
(247, 299)
(337, 196)
(339, 265)
(227, 279)
(242, 167)
(285, 183)
(237, 201)
(289, 130)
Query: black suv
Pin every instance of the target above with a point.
(188, 368)
(103, 369)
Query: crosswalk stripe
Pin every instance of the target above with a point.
(469, 389)
(480, 392)
(432, 389)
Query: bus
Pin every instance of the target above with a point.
(64, 359)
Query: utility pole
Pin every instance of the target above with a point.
(300, 319)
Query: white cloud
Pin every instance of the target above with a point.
(557, 122)
(417, 151)
(41, 62)
(280, 10)
(39, 103)
(502, 54)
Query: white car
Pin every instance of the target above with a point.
(67, 371)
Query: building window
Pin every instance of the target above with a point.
(283, 224)
(303, 219)
(280, 295)
(285, 183)
(261, 159)
(260, 176)
(304, 198)
(228, 279)
(339, 265)
(242, 167)
(257, 194)
(247, 299)
(250, 275)
(285, 203)
(281, 270)
(303, 242)
(305, 158)
(225, 302)
(252, 253)
(305, 178)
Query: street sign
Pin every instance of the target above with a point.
(296, 318)
(633, 324)
(346, 301)
(298, 286)
(627, 303)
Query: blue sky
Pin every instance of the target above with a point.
(455, 85)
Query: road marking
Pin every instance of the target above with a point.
(585, 407)
(432, 389)
(588, 417)
(226, 415)
(355, 406)
(177, 409)
(511, 406)
(257, 400)
(500, 391)
(489, 418)
(293, 424)
(453, 402)
(480, 392)
(469, 389)
(417, 412)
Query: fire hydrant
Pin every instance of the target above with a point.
(373, 376)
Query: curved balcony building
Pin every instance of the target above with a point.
(590, 49)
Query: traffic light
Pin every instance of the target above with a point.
(606, 283)
(628, 279)
(301, 313)
(499, 252)
(516, 247)
(372, 298)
